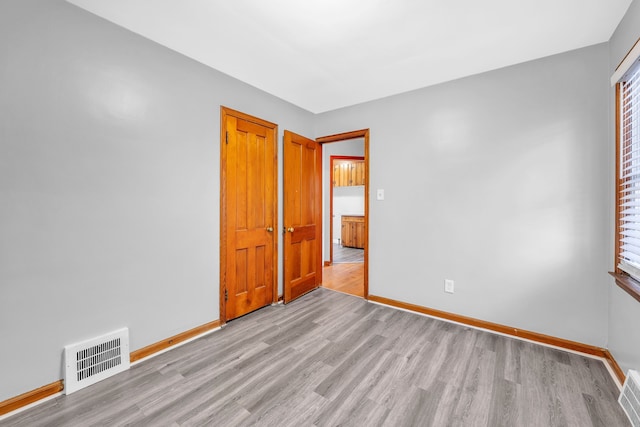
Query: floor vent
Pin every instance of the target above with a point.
(93, 360)
(630, 397)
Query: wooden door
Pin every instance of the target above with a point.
(248, 255)
(302, 215)
(358, 170)
(342, 173)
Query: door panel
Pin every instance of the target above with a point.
(302, 215)
(248, 255)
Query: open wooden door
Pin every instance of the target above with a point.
(248, 254)
(302, 215)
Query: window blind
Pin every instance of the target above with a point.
(629, 173)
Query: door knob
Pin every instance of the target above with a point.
(270, 229)
(290, 229)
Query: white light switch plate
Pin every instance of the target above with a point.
(448, 286)
(380, 194)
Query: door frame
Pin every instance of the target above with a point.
(332, 160)
(362, 133)
(224, 112)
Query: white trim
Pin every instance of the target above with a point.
(630, 270)
(626, 64)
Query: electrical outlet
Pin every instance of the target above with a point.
(448, 286)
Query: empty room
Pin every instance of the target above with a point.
(180, 179)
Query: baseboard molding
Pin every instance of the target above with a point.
(30, 397)
(43, 392)
(616, 368)
(33, 396)
(508, 330)
(176, 339)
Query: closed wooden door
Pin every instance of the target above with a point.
(248, 214)
(302, 215)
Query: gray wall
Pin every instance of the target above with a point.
(109, 190)
(109, 185)
(498, 181)
(624, 311)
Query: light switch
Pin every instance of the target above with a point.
(380, 194)
(448, 286)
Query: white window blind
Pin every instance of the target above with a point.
(629, 178)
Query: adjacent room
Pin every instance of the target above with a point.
(319, 213)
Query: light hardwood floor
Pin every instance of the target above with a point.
(347, 278)
(332, 359)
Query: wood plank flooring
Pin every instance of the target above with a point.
(344, 254)
(331, 359)
(347, 278)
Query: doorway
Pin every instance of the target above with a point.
(346, 204)
(352, 278)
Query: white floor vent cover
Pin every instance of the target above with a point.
(630, 397)
(93, 360)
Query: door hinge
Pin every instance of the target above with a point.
(226, 137)
(226, 295)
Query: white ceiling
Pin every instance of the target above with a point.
(326, 54)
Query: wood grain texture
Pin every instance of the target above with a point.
(345, 277)
(345, 254)
(302, 212)
(347, 171)
(508, 330)
(176, 339)
(367, 174)
(353, 231)
(628, 284)
(362, 133)
(331, 359)
(618, 119)
(248, 190)
(29, 397)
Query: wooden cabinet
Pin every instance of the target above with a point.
(353, 231)
(348, 172)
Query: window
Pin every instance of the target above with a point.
(629, 173)
(627, 81)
